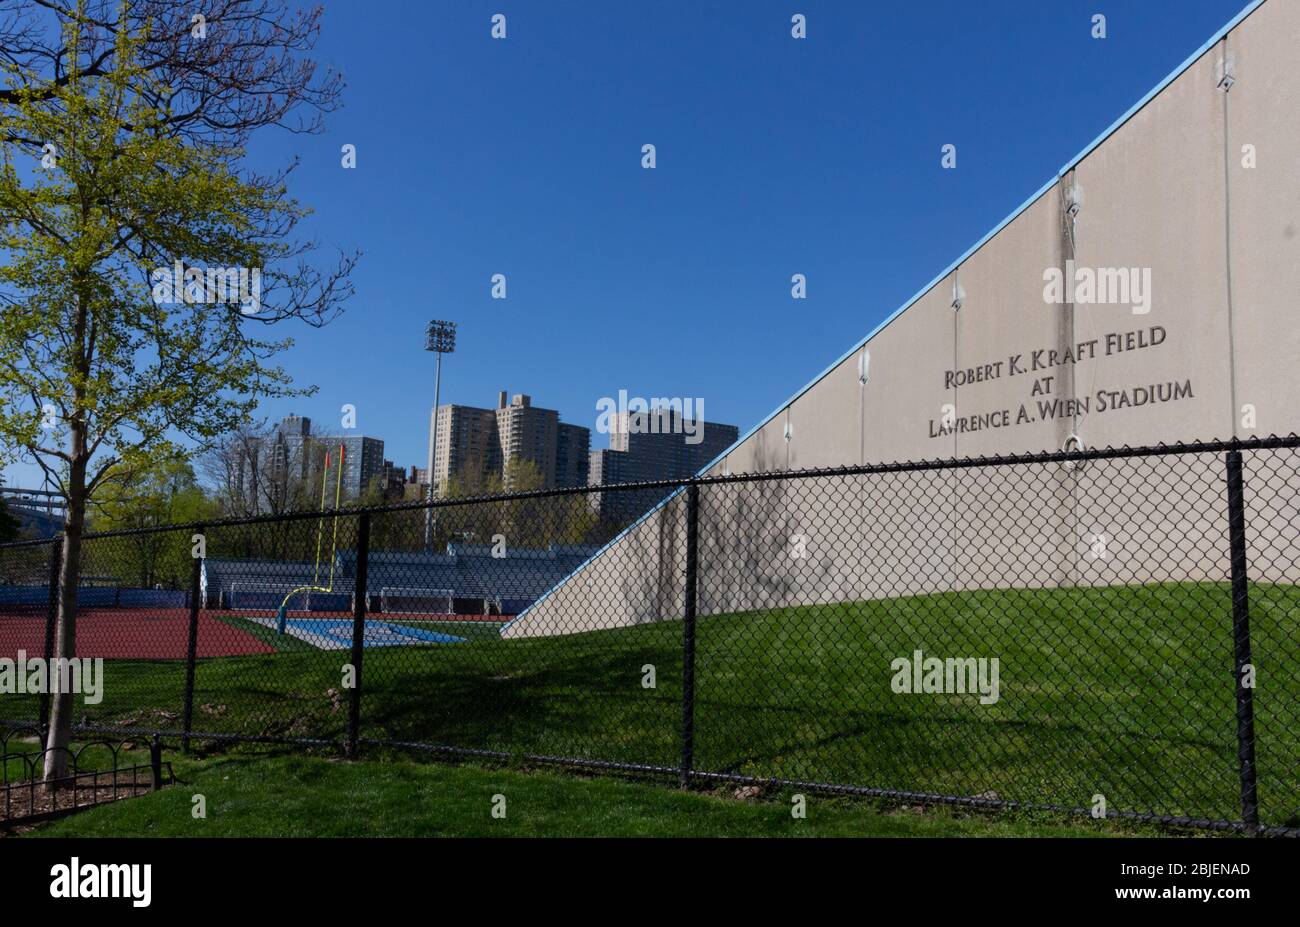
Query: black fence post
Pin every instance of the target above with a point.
(51, 615)
(1241, 639)
(358, 631)
(688, 633)
(191, 651)
(155, 763)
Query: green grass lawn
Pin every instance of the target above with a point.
(1125, 692)
(311, 796)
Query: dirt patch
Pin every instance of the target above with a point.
(20, 801)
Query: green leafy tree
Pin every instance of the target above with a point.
(164, 494)
(525, 523)
(400, 530)
(474, 523)
(522, 521)
(123, 153)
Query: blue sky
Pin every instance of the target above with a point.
(775, 156)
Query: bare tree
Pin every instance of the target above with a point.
(229, 469)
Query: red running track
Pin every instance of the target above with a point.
(124, 634)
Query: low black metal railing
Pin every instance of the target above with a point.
(117, 772)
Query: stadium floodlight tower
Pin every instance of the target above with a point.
(440, 338)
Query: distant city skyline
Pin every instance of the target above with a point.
(288, 456)
(475, 442)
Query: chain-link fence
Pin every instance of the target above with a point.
(1113, 632)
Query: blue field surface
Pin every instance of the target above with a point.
(336, 633)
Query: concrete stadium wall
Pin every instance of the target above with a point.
(1167, 190)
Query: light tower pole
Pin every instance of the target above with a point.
(440, 338)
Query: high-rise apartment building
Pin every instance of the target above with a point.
(668, 446)
(276, 470)
(529, 433)
(363, 462)
(474, 443)
(572, 455)
(655, 445)
(467, 444)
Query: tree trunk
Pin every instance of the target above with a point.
(65, 628)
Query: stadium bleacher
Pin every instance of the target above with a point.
(513, 582)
